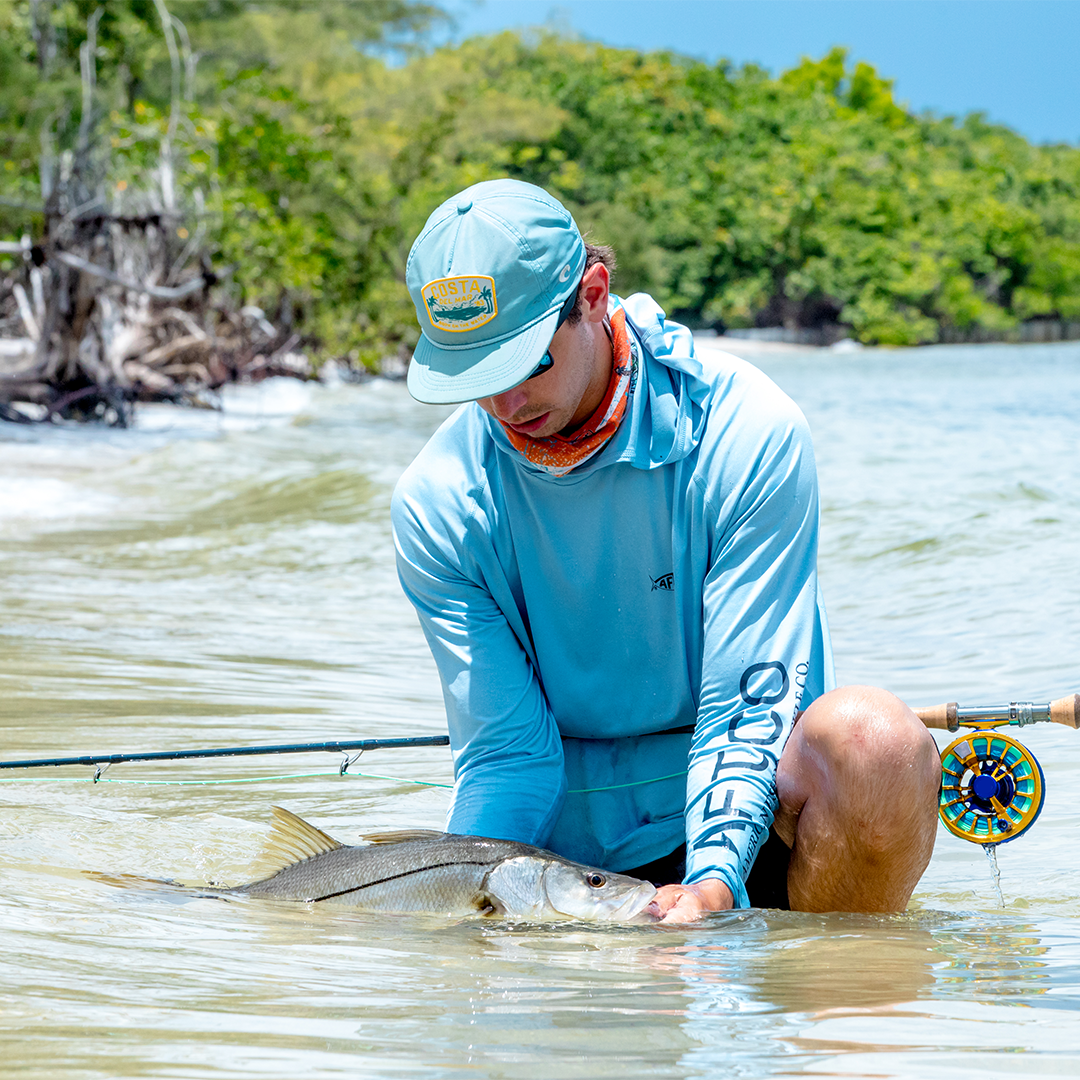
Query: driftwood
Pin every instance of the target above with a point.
(81, 339)
(114, 304)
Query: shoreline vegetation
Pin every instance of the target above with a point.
(223, 190)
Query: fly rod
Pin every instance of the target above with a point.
(951, 717)
(992, 786)
(337, 746)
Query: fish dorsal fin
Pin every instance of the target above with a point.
(399, 836)
(293, 840)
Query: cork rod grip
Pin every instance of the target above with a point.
(1066, 711)
(938, 716)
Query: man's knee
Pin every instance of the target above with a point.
(858, 784)
(862, 748)
(866, 728)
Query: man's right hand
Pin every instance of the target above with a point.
(687, 903)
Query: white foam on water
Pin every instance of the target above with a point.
(243, 407)
(176, 419)
(27, 499)
(272, 399)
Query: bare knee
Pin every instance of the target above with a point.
(867, 733)
(861, 773)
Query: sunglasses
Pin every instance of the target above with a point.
(546, 362)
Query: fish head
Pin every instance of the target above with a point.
(545, 887)
(585, 892)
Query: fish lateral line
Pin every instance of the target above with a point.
(386, 880)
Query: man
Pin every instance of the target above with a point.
(612, 552)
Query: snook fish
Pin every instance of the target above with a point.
(440, 872)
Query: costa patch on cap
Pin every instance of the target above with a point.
(459, 304)
(501, 237)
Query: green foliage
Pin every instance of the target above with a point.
(18, 146)
(807, 198)
(738, 199)
(735, 198)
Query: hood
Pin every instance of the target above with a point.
(665, 414)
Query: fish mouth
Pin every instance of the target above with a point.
(630, 904)
(635, 908)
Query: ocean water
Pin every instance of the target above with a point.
(214, 579)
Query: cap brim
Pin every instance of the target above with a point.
(447, 376)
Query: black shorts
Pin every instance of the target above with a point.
(766, 886)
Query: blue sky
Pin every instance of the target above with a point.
(1016, 60)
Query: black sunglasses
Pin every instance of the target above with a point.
(546, 362)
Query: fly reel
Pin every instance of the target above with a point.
(992, 788)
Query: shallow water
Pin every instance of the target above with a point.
(214, 579)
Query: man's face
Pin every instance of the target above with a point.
(570, 391)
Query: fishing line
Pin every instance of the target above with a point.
(632, 783)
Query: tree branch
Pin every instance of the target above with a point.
(161, 292)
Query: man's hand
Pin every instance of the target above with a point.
(687, 903)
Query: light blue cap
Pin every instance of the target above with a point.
(489, 276)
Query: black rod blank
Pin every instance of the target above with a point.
(236, 751)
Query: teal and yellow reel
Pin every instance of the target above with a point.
(992, 787)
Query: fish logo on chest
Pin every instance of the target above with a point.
(665, 582)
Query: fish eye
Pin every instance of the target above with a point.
(597, 881)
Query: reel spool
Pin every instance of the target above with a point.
(992, 788)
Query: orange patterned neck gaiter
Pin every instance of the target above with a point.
(558, 454)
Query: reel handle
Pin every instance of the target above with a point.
(949, 717)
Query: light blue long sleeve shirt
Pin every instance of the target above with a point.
(669, 582)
